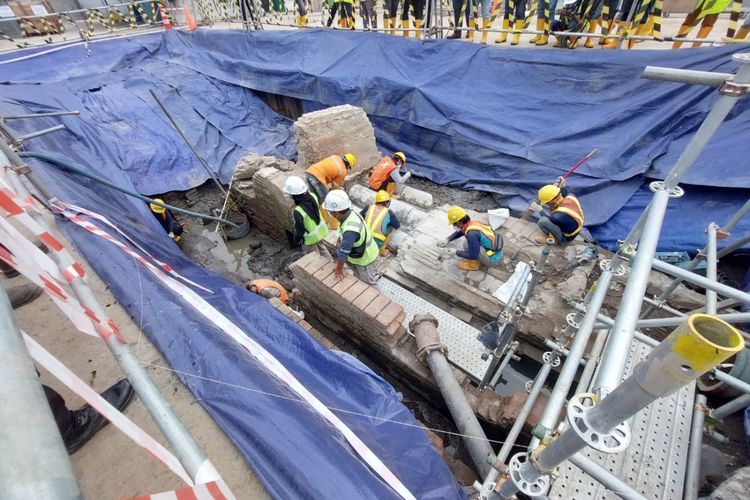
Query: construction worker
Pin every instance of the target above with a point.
(268, 289)
(569, 21)
(417, 7)
(482, 243)
(390, 174)
(565, 218)
(329, 173)
(356, 246)
(381, 221)
(706, 13)
(167, 220)
(301, 13)
(310, 228)
(368, 14)
(518, 12)
(458, 7)
(390, 15)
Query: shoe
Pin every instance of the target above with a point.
(468, 265)
(503, 36)
(387, 25)
(418, 26)
(8, 271)
(486, 24)
(542, 238)
(539, 27)
(23, 294)
(470, 33)
(384, 252)
(594, 23)
(453, 36)
(614, 42)
(517, 35)
(86, 421)
(405, 26)
(394, 24)
(703, 32)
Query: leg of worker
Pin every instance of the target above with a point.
(301, 13)
(418, 15)
(549, 227)
(706, 26)
(364, 13)
(393, 12)
(687, 25)
(349, 9)
(405, 17)
(456, 4)
(63, 416)
(486, 19)
(506, 21)
(368, 274)
(520, 19)
(334, 9)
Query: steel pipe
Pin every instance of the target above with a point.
(38, 133)
(504, 363)
(40, 115)
(605, 477)
(719, 288)
(711, 267)
(735, 405)
(660, 322)
(424, 327)
(685, 76)
(561, 350)
(593, 361)
(35, 463)
(692, 471)
(722, 304)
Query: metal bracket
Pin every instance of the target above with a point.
(732, 89)
(579, 407)
(606, 265)
(528, 385)
(676, 192)
(535, 488)
(570, 319)
(551, 358)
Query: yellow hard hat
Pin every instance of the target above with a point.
(382, 197)
(548, 193)
(455, 214)
(156, 208)
(350, 159)
(401, 156)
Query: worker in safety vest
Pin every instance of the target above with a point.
(356, 246)
(167, 220)
(390, 174)
(329, 173)
(565, 219)
(268, 289)
(381, 221)
(310, 228)
(482, 243)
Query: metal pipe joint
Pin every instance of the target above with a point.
(427, 338)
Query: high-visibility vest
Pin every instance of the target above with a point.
(495, 242)
(570, 206)
(365, 250)
(381, 172)
(262, 284)
(314, 233)
(331, 170)
(374, 219)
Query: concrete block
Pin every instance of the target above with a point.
(475, 277)
(461, 314)
(367, 296)
(357, 289)
(330, 281)
(389, 314)
(489, 284)
(378, 304)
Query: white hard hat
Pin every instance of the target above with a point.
(295, 185)
(569, 2)
(337, 201)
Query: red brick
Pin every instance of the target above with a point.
(345, 284)
(396, 324)
(315, 264)
(390, 313)
(357, 289)
(330, 281)
(363, 301)
(378, 304)
(396, 330)
(305, 260)
(324, 272)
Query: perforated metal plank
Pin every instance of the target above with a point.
(654, 463)
(464, 350)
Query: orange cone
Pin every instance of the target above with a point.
(165, 19)
(189, 20)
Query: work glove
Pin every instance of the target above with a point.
(560, 182)
(442, 244)
(536, 207)
(450, 252)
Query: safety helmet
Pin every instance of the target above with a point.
(455, 214)
(294, 185)
(156, 208)
(401, 156)
(382, 196)
(350, 160)
(337, 201)
(548, 193)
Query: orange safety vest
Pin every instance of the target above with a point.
(374, 219)
(262, 284)
(570, 206)
(485, 230)
(331, 170)
(381, 172)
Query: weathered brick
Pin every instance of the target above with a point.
(323, 273)
(345, 284)
(315, 263)
(330, 281)
(356, 290)
(276, 302)
(396, 325)
(390, 313)
(363, 301)
(305, 260)
(378, 304)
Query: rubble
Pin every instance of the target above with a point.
(250, 164)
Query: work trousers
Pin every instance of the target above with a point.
(345, 12)
(369, 16)
(368, 274)
(318, 248)
(392, 7)
(457, 4)
(418, 9)
(549, 227)
(550, 6)
(519, 8)
(61, 413)
(301, 7)
(484, 8)
(316, 186)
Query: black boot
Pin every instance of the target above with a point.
(23, 294)
(85, 422)
(453, 36)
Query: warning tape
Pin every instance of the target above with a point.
(123, 423)
(734, 18)
(265, 358)
(214, 490)
(658, 7)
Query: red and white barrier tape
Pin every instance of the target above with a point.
(266, 359)
(130, 429)
(214, 490)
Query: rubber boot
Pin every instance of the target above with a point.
(352, 24)
(470, 33)
(543, 39)
(614, 42)
(642, 30)
(387, 25)
(418, 25)
(405, 26)
(742, 33)
(594, 23)
(539, 27)
(703, 33)
(468, 265)
(486, 24)
(394, 24)
(503, 36)
(456, 34)
(23, 294)
(573, 42)
(517, 35)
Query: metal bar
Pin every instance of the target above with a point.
(661, 322)
(711, 267)
(38, 133)
(561, 350)
(40, 115)
(503, 364)
(692, 471)
(605, 477)
(720, 288)
(722, 304)
(186, 449)
(35, 463)
(737, 404)
(685, 76)
(664, 306)
(592, 361)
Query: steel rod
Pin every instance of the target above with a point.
(685, 76)
(722, 304)
(692, 470)
(40, 115)
(561, 350)
(605, 477)
(720, 288)
(593, 361)
(711, 267)
(661, 322)
(664, 306)
(38, 133)
(503, 364)
(737, 404)
(34, 461)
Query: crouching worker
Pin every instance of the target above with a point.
(390, 174)
(329, 173)
(381, 221)
(167, 220)
(268, 289)
(565, 219)
(482, 243)
(310, 229)
(356, 246)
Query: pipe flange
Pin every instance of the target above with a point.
(606, 265)
(528, 385)
(535, 488)
(551, 358)
(676, 192)
(570, 319)
(579, 407)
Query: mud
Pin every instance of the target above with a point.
(475, 200)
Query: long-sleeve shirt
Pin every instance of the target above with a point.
(308, 204)
(390, 219)
(400, 176)
(473, 242)
(565, 222)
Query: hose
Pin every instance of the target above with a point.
(66, 165)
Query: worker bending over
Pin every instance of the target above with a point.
(329, 173)
(268, 289)
(167, 220)
(565, 219)
(310, 228)
(381, 220)
(482, 243)
(390, 174)
(356, 244)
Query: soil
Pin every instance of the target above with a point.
(479, 201)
